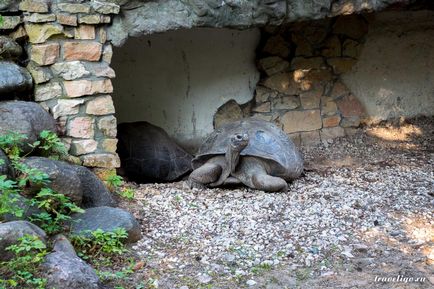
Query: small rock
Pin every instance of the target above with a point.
(204, 278)
(251, 282)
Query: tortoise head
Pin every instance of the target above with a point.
(239, 141)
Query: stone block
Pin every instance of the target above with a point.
(277, 46)
(39, 18)
(73, 7)
(283, 82)
(331, 133)
(351, 48)
(48, 91)
(77, 88)
(303, 47)
(341, 64)
(19, 34)
(67, 19)
(331, 121)
(263, 116)
(353, 121)
(262, 107)
(79, 50)
(101, 69)
(353, 26)
(307, 63)
(66, 107)
(296, 138)
(107, 125)
(39, 33)
(102, 35)
(107, 53)
(109, 145)
(100, 105)
(105, 7)
(85, 32)
(101, 160)
(81, 127)
(39, 74)
(310, 138)
(228, 112)
(286, 102)
(90, 19)
(45, 54)
(273, 64)
(312, 79)
(332, 47)
(304, 120)
(350, 106)
(328, 107)
(10, 22)
(83, 146)
(311, 99)
(339, 89)
(263, 94)
(39, 6)
(70, 70)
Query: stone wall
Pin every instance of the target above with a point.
(301, 88)
(69, 57)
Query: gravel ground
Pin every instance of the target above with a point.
(363, 210)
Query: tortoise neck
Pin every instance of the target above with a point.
(233, 157)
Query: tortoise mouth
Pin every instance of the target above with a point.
(239, 141)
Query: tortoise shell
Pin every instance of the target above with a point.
(148, 154)
(266, 141)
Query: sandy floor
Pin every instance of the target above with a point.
(363, 211)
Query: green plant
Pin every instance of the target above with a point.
(23, 268)
(100, 243)
(50, 145)
(8, 198)
(57, 208)
(127, 193)
(113, 182)
(10, 144)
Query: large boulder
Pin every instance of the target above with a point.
(9, 48)
(23, 204)
(14, 80)
(10, 232)
(63, 177)
(4, 164)
(64, 269)
(28, 118)
(106, 219)
(80, 184)
(95, 193)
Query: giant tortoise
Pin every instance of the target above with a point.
(253, 152)
(148, 154)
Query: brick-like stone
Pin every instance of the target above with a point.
(66, 107)
(286, 102)
(48, 91)
(74, 7)
(101, 69)
(85, 32)
(39, 6)
(67, 19)
(10, 22)
(263, 94)
(105, 7)
(107, 53)
(107, 125)
(350, 106)
(39, 74)
(305, 120)
(81, 127)
(273, 64)
(79, 50)
(351, 48)
(77, 88)
(45, 54)
(339, 89)
(106, 19)
(303, 47)
(307, 63)
(262, 107)
(18, 34)
(101, 105)
(310, 138)
(263, 116)
(276, 45)
(312, 79)
(331, 133)
(353, 26)
(109, 145)
(331, 121)
(283, 83)
(311, 99)
(101, 160)
(296, 139)
(40, 18)
(102, 35)
(39, 33)
(332, 47)
(328, 107)
(70, 70)
(84, 146)
(353, 121)
(90, 19)
(341, 64)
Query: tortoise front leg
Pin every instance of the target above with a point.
(204, 175)
(268, 183)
